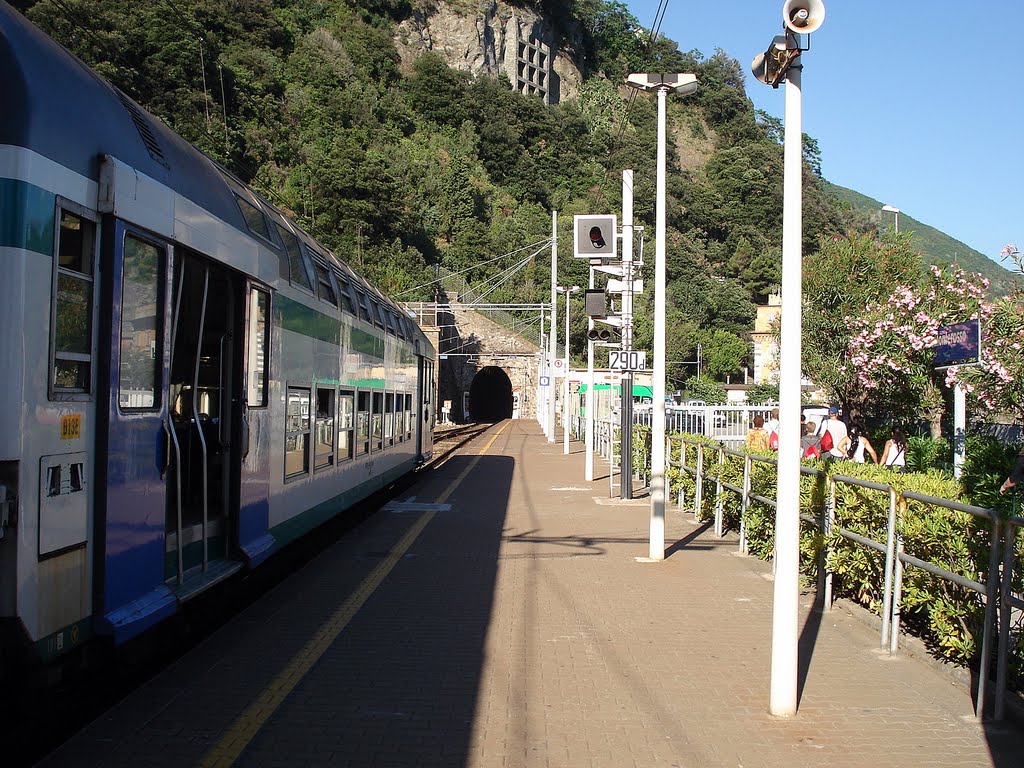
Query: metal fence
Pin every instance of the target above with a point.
(728, 424)
(996, 592)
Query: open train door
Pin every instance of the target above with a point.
(425, 393)
(204, 423)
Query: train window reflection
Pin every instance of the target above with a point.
(257, 348)
(377, 423)
(346, 424)
(141, 342)
(324, 452)
(296, 444)
(363, 424)
(389, 419)
(74, 294)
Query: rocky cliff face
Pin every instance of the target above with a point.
(497, 38)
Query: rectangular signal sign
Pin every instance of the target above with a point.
(621, 360)
(594, 237)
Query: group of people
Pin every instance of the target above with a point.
(831, 438)
(834, 439)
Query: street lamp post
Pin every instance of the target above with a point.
(684, 85)
(568, 290)
(781, 63)
(896, 213)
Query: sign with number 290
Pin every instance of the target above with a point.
(621, 360)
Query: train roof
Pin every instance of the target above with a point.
(58, 107)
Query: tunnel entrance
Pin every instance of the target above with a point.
(490, 395)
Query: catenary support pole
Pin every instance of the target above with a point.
(588, 465)
(626, 406)
(553, 337)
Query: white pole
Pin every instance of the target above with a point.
(553, 338)
(626, 461)
(542, 408)
(565, 386)
(588, 466)
(787, 519)
(959, 429)
(657, 545)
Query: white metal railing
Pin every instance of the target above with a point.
(727, 424)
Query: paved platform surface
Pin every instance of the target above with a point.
(500, 618)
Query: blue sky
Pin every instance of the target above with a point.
(916, 103)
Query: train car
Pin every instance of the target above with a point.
(190, 380)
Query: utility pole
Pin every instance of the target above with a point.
(553, 338)
(626, 407)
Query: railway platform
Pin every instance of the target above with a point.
(497, 615)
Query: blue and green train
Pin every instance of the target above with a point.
(190, 380)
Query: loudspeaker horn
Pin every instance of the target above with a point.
(803, 16)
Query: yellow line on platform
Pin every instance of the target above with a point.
(245, 728)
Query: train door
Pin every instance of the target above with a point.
(426, 394)
(204, 421)
(130, 519)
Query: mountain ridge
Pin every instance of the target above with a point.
(934, 245)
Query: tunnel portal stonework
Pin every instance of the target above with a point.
(470, 344)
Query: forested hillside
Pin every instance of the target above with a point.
(401, 168)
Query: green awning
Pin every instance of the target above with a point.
(639, 390)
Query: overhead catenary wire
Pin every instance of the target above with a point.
(540, 245)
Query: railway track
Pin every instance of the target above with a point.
(451, 439)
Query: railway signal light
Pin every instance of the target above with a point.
(594, 237)
(595, 300)
(597, 333)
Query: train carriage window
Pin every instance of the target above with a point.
(324, 451)
(254, 218)
(296, 442)
(141, 333)
(399, 417)
(364, 307)
(257, 347)
(298, 268)
(389, 418)
(377, 422)
(346, 297)
(389, 320)
(74, 292)
(363, 424)
(408, 416)
(378, 314)
(325, 288)
(346, 424)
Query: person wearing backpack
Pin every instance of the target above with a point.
(809, 442)
(757, 437)
(772, 428)
(832, 432)
(856, 444)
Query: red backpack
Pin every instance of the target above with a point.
(812, 452)
(826, 441)
(773, 440)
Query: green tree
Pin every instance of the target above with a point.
(723, 353)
